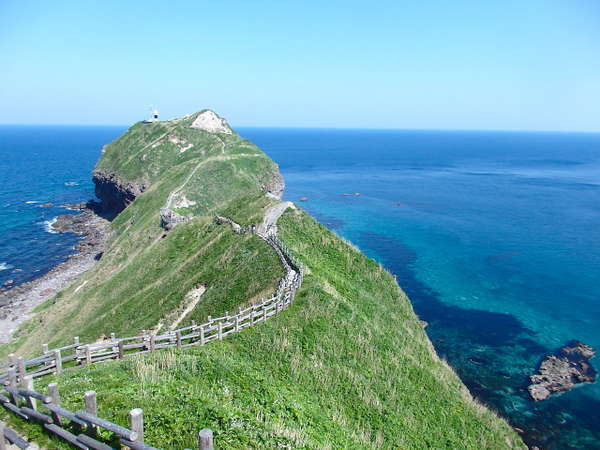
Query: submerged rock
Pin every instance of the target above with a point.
(562, 371)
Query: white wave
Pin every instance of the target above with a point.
(48, 225)
(31, 202)
(71, 183)
(5, 266)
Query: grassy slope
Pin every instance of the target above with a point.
(346, 366)
(143, 276)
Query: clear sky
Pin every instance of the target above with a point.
(524, 64)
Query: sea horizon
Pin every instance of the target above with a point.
(493, 240)
(331, 128)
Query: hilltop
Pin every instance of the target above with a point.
(346, 365)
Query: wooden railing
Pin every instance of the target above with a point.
(18, 371)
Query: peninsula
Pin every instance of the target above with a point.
(199, 232)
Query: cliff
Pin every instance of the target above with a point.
(347, 365)
(136, 160)
(114, 193)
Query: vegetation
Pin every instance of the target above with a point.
(347, 365)
(145, 273)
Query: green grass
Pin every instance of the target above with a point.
(346, 366)
(144, 275)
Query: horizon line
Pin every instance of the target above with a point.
(341, 128)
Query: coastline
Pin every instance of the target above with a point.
(17, 303)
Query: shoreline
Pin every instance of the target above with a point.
(17, 303)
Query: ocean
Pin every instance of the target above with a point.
(493, 235)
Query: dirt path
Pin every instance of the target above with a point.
(172, 195)
(195, 296)
(269, 225)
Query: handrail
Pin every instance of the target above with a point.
(53, 361)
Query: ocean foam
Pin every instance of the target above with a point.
(32, 202)
(48, 225)
(5, 266)
(71, 183)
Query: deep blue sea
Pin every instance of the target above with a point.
(495, 236)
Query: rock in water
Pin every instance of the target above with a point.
(562, 371)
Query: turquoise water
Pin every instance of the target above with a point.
(494, 236)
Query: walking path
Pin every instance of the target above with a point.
(268, 227)
(19, 372)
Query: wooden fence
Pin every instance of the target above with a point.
(83, 429)
(18, 371)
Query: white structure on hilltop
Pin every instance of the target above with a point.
(153, 116)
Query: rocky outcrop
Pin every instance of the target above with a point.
(209, 121)
(115, 192)
(275, 185)
(237, 228)
(169, 218)
(562, 371)
(87, 224)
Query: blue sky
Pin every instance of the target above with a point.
(532, 65)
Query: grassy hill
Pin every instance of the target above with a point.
(348, 365)
(145, 273)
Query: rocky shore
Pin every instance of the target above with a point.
(562, 371)
(16, 303)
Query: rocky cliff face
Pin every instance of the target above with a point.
(114, 192)
(275, 185)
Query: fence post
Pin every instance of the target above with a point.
(178, 338)
(28, 384)
(88, 355)
(205, 439)
(12, 382)
(91, 408)
(44, 348)
(121, 349)
(136, 421)
(12, 376)
(201, 335)
(2, 439)
(113, 336)
(76, 340)
(90, 403)
(237, 323)
(152, 345)
(264, 313)
(144, 339)
(21, 369)
(220, 330)
(55, 396)
(58, 361)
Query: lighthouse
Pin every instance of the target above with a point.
(153, 116)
